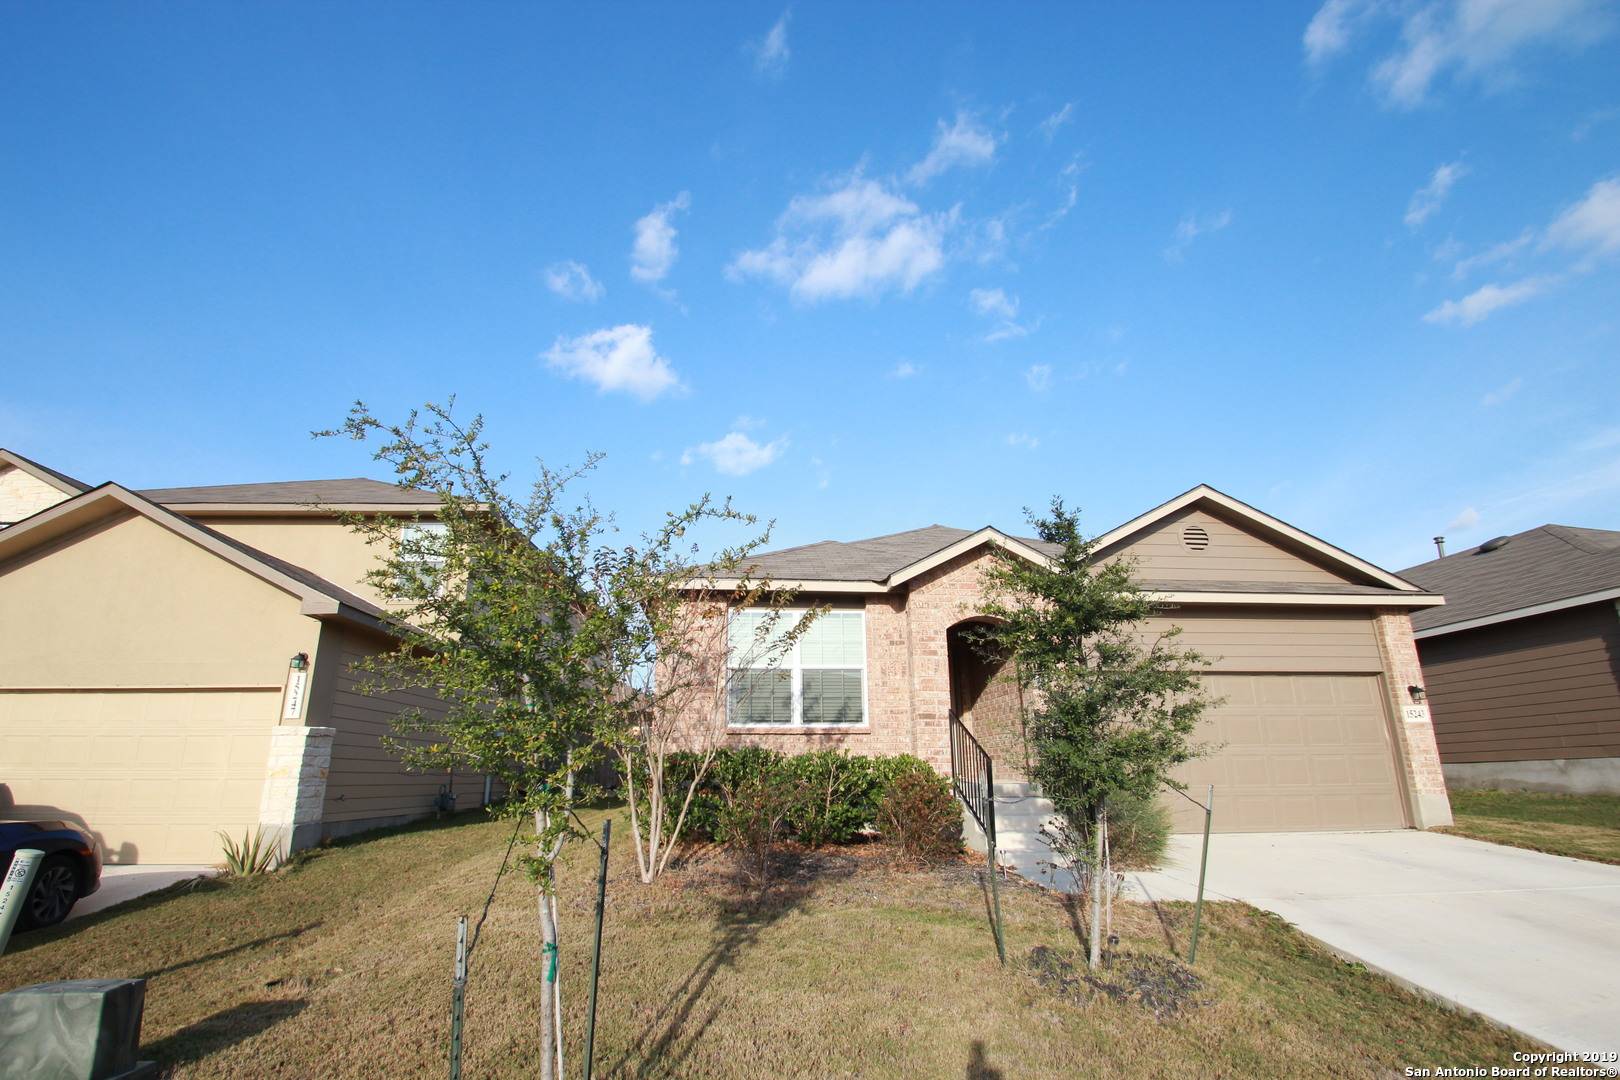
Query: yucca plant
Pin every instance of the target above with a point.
(253, 854)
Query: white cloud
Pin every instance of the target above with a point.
(771, 52)
(1486, 299)
(1023, 440)
(964, 143)
(1328, 32)
(905, 369)
(572, 281)
(1492, 255)
(618, 358)
(823, 474)
(1190, 228)
(1039, 377)
(857, 240)
(1009, 331)
(1480, 40)
(1592, 225)
(654, 250)
(1465, 520)
(1502, 393)
(1431, 196)
(1049, 126)
(736, 454)
(994, 302)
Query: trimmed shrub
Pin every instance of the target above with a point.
(754, 814)
(1138, 831)
(920, 816)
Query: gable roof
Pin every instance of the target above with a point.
(294, 494)
(882, 563)
(62, 482)
(318, 597)
(1539, 570)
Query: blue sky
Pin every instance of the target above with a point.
(1358, 264)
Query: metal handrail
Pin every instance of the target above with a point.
(973, 778)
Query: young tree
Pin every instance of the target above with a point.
(674, 659)
(1114, 707)
(494, 615)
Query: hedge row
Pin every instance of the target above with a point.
(839, 794)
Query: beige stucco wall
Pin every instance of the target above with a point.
(140, 677)
(23, 494)
(322, 545)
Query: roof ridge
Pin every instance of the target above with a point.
(1570, 534)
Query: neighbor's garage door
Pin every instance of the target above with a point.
(1295, 752)
(156, 775)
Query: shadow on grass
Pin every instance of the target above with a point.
(747, 912)
(224, 1029)
(221, 954)
(979, 1067)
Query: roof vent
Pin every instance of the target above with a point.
(1493, 543)
(1195, 537)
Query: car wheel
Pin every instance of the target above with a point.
(56, 887)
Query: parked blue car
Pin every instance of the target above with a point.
(70, 870)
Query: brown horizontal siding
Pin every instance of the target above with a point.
(367, 780)
(1534, 689)
(1283, 640)
(1234, 554)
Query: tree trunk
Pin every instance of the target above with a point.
(548, 938)
(1097, 886)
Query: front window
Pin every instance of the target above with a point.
(817, 681)
(420, 558)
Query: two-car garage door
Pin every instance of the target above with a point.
(1295, 752)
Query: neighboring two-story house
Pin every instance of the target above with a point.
(178, 662)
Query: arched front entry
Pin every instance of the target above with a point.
(986, 696)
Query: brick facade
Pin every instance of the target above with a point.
(1419, 754)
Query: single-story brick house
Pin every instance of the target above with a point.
(1321, 727)
(1523, 662)
(178, 662)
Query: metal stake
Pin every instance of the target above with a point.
(596, 951)
(995, 897)
(458, 998)
(1203, 865)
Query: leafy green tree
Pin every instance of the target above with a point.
(1113, 707)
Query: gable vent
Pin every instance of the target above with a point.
(1195, 537)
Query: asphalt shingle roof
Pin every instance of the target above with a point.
(357, 489)
(1538, 566)
(862, 560)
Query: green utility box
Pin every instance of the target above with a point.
(86, 1029)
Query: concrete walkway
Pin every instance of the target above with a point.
(1531, 941)
(121, 883)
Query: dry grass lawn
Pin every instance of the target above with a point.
(340, 967)
(1580, 826)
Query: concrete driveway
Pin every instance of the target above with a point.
(1531, 941)
(121, 883)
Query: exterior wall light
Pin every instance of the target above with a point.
(1418, 694)
(299, 662)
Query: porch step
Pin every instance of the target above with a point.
(1021, 844)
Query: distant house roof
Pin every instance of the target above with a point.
(59, 480)
(355, 491)
(1541, 569)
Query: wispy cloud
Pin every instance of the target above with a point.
(1502, 393)
(620, 358)
(735, 453)
(905, 369)
(1481, 41)
(860, 239)
(1190, 228)
(1592, 225)
(572, 281)
(654, 250)
(994, 302)
(1022, 440)
(1431, 196)
(963, 143)
(1485, 300)
(771, 52)
(1497, 253)
(1039, 377)
(1049, 127)
(1467, 519)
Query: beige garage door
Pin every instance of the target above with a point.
(1296, 752)
(155, 775)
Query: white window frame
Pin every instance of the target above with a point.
(792, 665)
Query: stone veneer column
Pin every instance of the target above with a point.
(293, 799)
(1420, 756)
